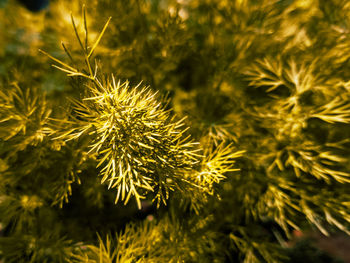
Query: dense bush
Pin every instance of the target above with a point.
(172, 131)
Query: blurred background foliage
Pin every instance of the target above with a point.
(267, 77)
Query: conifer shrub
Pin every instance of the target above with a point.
(173, 131)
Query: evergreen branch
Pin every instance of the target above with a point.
(76, 32)
(273, 74)
(266, 73)
(337, 110)
(138, 144)
(152, 241)
(311, 160)
(66, 67)
(99, 38)
(24, 116)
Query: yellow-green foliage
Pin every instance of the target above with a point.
(139, 144)
(222, 126)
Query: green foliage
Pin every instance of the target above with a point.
(137, 141)
(262, 87)
(24, 116)
(180, 242)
